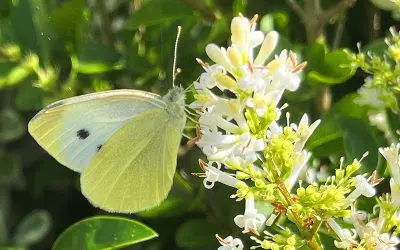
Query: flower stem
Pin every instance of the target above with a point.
(310, 237)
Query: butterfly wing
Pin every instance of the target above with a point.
(134, 170)
(73, 130)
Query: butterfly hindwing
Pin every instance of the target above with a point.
(75, 129)
(134, 169)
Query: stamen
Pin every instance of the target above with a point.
(220, 240)
(250, 65)
(203, 64)
(293, 61)
(299, 67)
(253, 21)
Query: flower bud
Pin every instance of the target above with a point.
(267, 47)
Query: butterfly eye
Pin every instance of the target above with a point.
(82, 134)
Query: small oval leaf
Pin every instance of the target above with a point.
(103, 232)
(32, 228)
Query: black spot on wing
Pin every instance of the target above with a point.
(99, 147)
(82, 134)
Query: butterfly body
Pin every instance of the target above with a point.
(123, 142)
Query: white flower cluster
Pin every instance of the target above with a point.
(236, 82)
(373, 233)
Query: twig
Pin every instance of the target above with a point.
(296, 8)
(340, 7)
(339, 33)
(206, 13)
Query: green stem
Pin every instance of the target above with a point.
(310, 237)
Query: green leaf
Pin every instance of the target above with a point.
(96, 58)
(359, 138)
(32, 228)
(377, 47)
(12, 248)
(158, 12)
(393, 122)
(22, 24)
(70, 21)
(267, 23)
(40, 17)
(103, 232)
(196, 234)
(327, 139)
(328, 67)
(29, 97)
(11, 126)
(5, 204)
(239, 6)
(10, 168)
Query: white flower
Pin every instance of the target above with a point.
(230, 243)
(214, 174)
(301, 161)
(391, 155)
(219, 56)
(251, 220)
(283, 74)
(370, 96)
(253, 81)
(395, 192)
(363, 187)
(304, 131)
(374, 239)
(208, 78)
(347, 239)
(218, 146)
(269, 44)
(262, 99)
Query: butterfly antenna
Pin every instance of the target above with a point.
(175, 71)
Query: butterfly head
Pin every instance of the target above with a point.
(175, 100)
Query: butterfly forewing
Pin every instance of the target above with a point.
(75, 129)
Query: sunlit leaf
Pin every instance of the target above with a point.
(156, 12)
(328, 67)
(96, 58)
(103, 232)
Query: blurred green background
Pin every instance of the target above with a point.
(53, 49)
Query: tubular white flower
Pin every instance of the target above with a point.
(208, 78)
(213, 175)
(299, 165)
(268, 45)
(219, 56)
(283, 76)
(375, 240)
(395, 192)
(262, 99)
(363, 187)
(391, 155)
(347, 239)
(251, 220)
(230, 243)
(253, 80)
(240, 28)
(213, 122)
(218, 147)
(304, 131)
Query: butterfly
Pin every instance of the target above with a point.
(123, 142)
